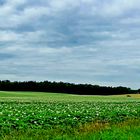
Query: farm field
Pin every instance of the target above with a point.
(39, 116)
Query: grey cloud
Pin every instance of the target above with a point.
(83, 41)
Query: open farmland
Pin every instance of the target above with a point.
(34, 115)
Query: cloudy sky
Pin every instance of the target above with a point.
(78, 41)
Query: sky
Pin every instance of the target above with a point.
(76, 41)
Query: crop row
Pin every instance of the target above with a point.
(51, 114)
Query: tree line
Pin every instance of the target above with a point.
(61, 87)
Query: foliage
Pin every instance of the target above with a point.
(60, 87)
(19, 115)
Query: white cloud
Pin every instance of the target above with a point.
(8, 36)
(118, 7)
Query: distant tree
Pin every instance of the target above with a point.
(61, 87)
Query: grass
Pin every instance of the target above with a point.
(44, 97)
(127, 130)
(39, 116)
